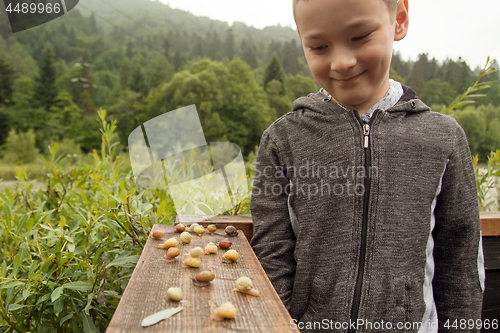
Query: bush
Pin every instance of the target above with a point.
(20, 148)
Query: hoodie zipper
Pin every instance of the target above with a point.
(364, 227)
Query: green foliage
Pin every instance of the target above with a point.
(45, 89)
(471, 92)
(274, 72)
(20, 147)
(487, 179)
(7, 76)
(69, 249)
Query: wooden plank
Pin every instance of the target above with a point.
(146, 292)
(241, 222)
(490, 223)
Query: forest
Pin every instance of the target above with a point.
(143, 58)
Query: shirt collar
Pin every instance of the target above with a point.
(389, 100)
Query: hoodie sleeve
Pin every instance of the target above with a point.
(273, 239)
(458, 280)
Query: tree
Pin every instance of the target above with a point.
(290, 57)
(137, 82)
(45, 89)
(125, 74)
(274, 72)
(298, 85)
(229, 45)
(437, 92)
(7, 76)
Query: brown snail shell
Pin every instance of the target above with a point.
(180, 227)
(203, 279)
(211, 228)
(157, 234)
(225, 243)
(172, 253)
(231, 231)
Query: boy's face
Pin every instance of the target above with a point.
(348, 47)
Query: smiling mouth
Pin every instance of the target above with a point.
(349, 80)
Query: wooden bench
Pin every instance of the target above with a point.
(146, 292)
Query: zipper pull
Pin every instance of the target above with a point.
(366, 133)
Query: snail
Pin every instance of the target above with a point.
(211, 248)
(185, 237)
(245, 285)
(194, 225)
(171, 254)
(212, 228)
(171, 242)
(225, 243)
(175, 294)
(196, 252)
(204, 218)
(191, 262)
(231, 231)
(157, 234)
(225, 311)
(202, 279)
(230, 256)
(180, 227)
(199, 229)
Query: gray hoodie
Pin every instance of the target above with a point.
(369, 228)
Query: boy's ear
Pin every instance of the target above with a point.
(402, 20)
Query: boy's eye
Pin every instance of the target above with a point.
(318, 48)
(357, 39)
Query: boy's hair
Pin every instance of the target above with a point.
(392, 4)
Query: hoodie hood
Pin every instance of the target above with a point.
(321, 103)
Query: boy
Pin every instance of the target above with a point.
(364, 202)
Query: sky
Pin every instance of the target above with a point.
(441, 28)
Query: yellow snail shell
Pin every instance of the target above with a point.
(175, 294)
(211, 248)
(212, 228)
(225, 311)
(194, 225)
(197, 252)
(171, 242)
(191, 262)
(185, 237)
(230, 256)
(199, 229)
(245, 285)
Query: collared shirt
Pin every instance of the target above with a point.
(389, 100)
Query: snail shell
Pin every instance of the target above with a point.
(230, 256)
(175, 294)
(225, 243)
(211, 248)
(191, 262)
(197, 252)
(199, 229)
(205, 276)
(157, 234)
(172, 253)
(231, 231)
(180, 227)
(244, 283)
(194, 225)
(212, 228)
(225, 311)
(171, 242)
(185, 237)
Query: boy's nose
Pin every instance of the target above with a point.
(342, 60)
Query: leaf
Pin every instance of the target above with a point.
(122, 260)
(78, 285)
(161, 208)
(58, 306)
(3, 269)
(12, 284)
(88, 324)
(62, 222)
(56, 294)
(14, 307)
(159, 316)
